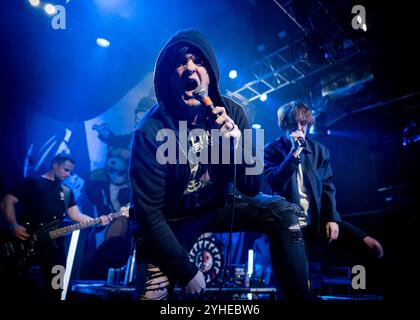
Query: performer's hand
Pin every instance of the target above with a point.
(294, 136)
(228, 127)
(374, 245)
(20, 232)
(332, 230)
(196, 285)
(105, 219)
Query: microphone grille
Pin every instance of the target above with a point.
(200, 92)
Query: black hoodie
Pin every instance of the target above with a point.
(158, 188)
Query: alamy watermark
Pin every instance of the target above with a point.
(57, 281)
(174, 148)
(358, 281)
(359, 21)
(58, 21)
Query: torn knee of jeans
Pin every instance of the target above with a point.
(295, 227)
(296, 233)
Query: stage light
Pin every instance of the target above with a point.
(263, 97)
(34, 3)
(256, 126)
(261, 48)
(250, 270)
(102, 42)
(233, 74)
(282, 34)
(69, 262)
(364, 27)
(328, 132)
(50, 9)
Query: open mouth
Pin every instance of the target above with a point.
(190, 85)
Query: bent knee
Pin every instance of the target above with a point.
(286, 211)
(287, 217)
(296, 233)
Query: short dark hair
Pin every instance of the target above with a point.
(292, 113)
(61, 158)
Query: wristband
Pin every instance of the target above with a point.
(13, 226)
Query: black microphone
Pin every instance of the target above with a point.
(202, 95)
(301, 142)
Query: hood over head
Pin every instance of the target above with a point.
(166, 65)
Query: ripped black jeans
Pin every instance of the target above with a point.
(271, 215)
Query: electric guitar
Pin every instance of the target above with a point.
(20, 253)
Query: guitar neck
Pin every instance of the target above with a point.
(78, 226)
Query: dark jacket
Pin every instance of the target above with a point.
(280, 169)
(158, 188)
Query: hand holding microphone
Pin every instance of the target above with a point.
(202, 95)
(298, 142)
(227, 125)
(301, 142)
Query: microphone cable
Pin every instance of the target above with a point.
(233, 204)
(202, 95)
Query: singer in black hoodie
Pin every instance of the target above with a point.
(178, 200)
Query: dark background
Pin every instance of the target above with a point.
(66, 76)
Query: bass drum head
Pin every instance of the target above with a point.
(207, 254)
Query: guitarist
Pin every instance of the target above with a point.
(43, 199)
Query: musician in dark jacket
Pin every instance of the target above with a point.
(176, 200)
(42, 200)
(299, 169)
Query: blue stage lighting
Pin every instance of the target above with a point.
(50, 9)
(102, 42)
(233, 74)
(263, 97)
(34, 3)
